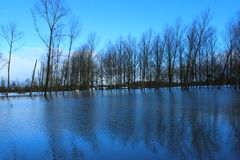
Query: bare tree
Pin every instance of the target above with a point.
(130, 51)
(158, 51)
(199, 34)
(73, 34)
(121, 57)
(55, 66)
(145, 52)
(52, 12)
(169, 38)
(203, 29)
(100, 71)
(210, 57)
(83, 66)
(11, 35)
(173, 36)
(232, 41)
(110, 64)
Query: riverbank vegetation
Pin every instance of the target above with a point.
(180, 54)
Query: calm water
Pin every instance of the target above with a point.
(197, 124)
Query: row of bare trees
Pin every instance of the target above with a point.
(179, 55)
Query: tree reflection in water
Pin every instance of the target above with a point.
(197, 124)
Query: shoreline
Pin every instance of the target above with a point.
(78, 92)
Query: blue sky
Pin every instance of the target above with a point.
(109, 19)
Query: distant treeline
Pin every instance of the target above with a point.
(179, 55)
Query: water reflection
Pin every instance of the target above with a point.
(199, 124)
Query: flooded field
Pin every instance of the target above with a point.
(176, 124)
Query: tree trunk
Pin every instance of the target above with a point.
(33, 75)
(48, 64)
(9, 67)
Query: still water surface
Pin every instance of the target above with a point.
(196, 124)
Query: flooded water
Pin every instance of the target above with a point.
(196, 124)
